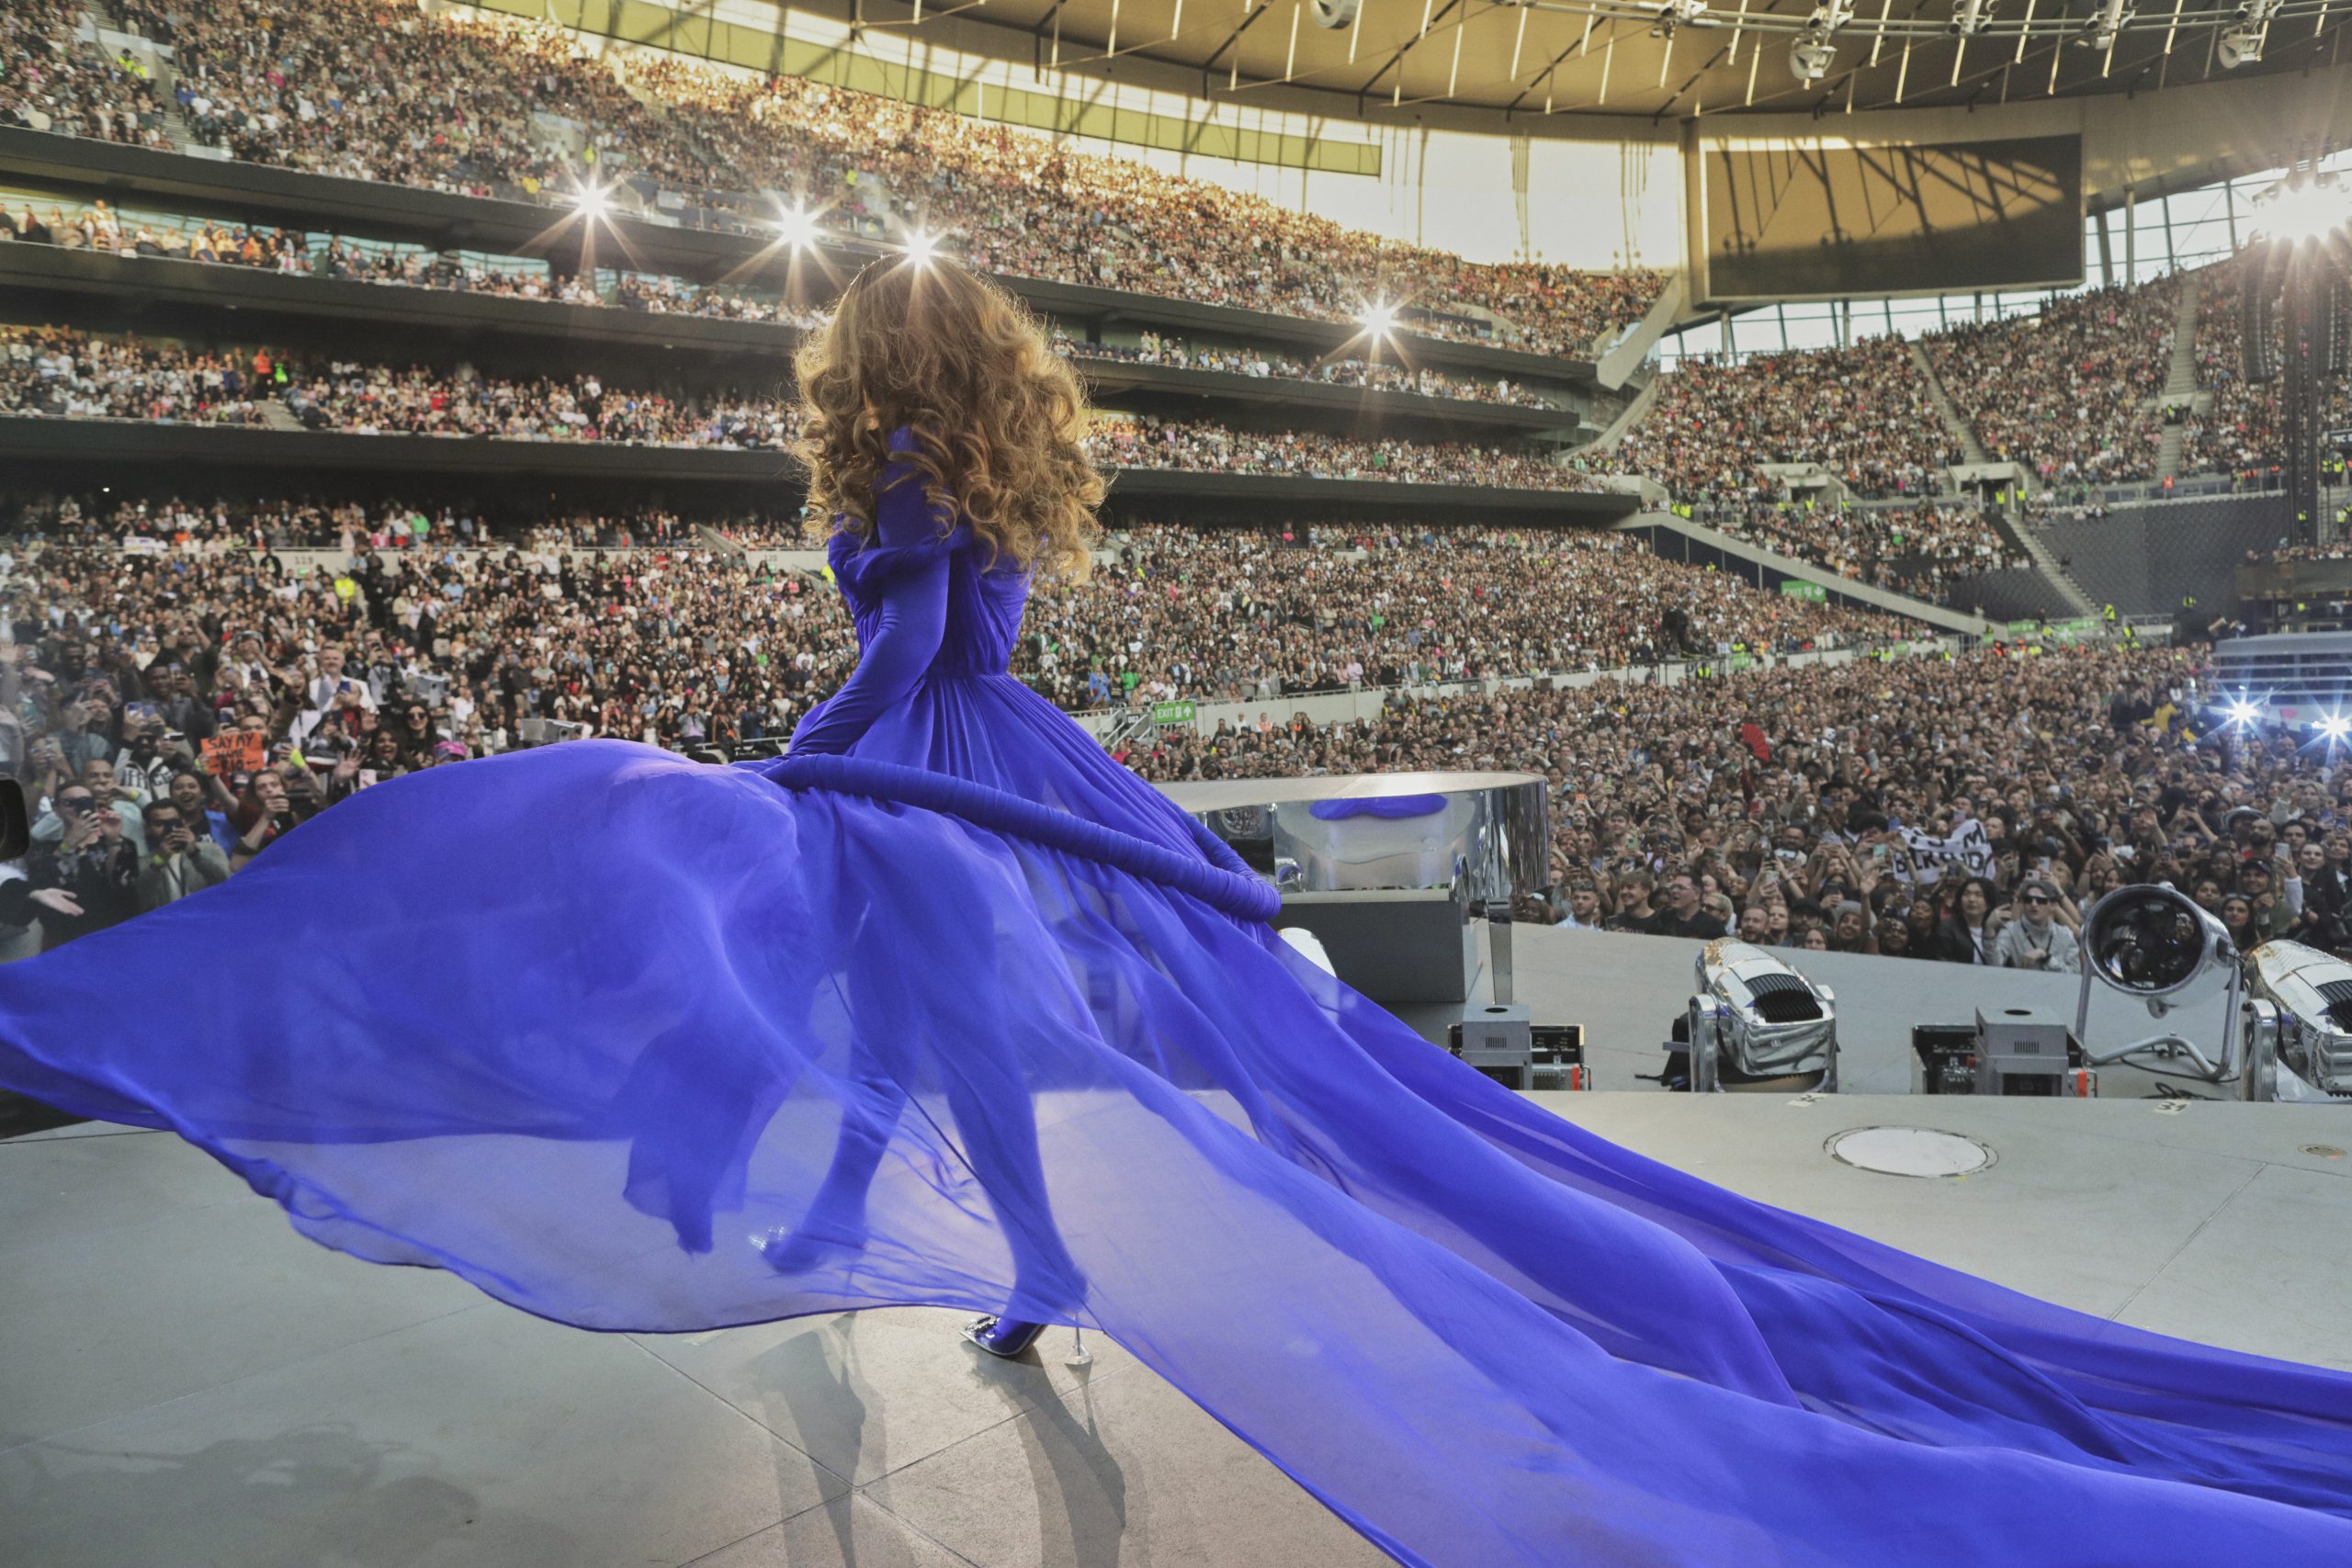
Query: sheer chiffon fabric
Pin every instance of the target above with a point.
(970, 1017)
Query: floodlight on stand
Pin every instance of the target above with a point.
(2150, 940)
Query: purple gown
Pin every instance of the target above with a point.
(949, 1008)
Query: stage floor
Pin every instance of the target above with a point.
(184, 1380)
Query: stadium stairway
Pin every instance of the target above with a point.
(1958, 428)
(2168, 451)
(1617, 365)
(2180, 383)
(1739, 556)
(2014, 593)
(2143, 559)
(1607, 440)
(105, 26)
(2060, 593)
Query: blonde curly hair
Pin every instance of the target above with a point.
(997, 417)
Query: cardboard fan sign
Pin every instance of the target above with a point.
(237, 751)
(1926, 858)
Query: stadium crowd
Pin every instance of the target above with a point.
(2068, 392)
(1862, 415)
(2239, 431)
(63, 373)
(174, 696)
(1926, 551)
(1966, 811)
(169, 688)
(1154, 348)
(500, 105)
(174, 525)
(98, 227)
(1247, 614)
(52, 79)
(1198, 446)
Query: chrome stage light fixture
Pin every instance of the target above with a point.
(2299, 1025)
(1756, 1026)
(2148, 941)
(2285, 1031)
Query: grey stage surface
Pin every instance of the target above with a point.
(185, 1381)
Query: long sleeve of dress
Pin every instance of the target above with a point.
(914, 620)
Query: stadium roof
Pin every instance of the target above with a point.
(1661, 57)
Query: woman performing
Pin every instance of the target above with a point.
(948, 1009)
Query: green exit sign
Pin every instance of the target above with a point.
(1172, 712)
(1793, 589)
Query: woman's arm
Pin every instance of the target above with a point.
(913, 621)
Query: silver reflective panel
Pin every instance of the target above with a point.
(1490, 831)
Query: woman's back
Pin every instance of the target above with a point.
(936, 621)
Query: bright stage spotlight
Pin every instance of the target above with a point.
(2333, 727)
(921, 248)
(796, 227)
(2299, 208)
(2243, 713)
(591, 201)
(1380, 321)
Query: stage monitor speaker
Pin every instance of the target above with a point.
(1409, 944)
